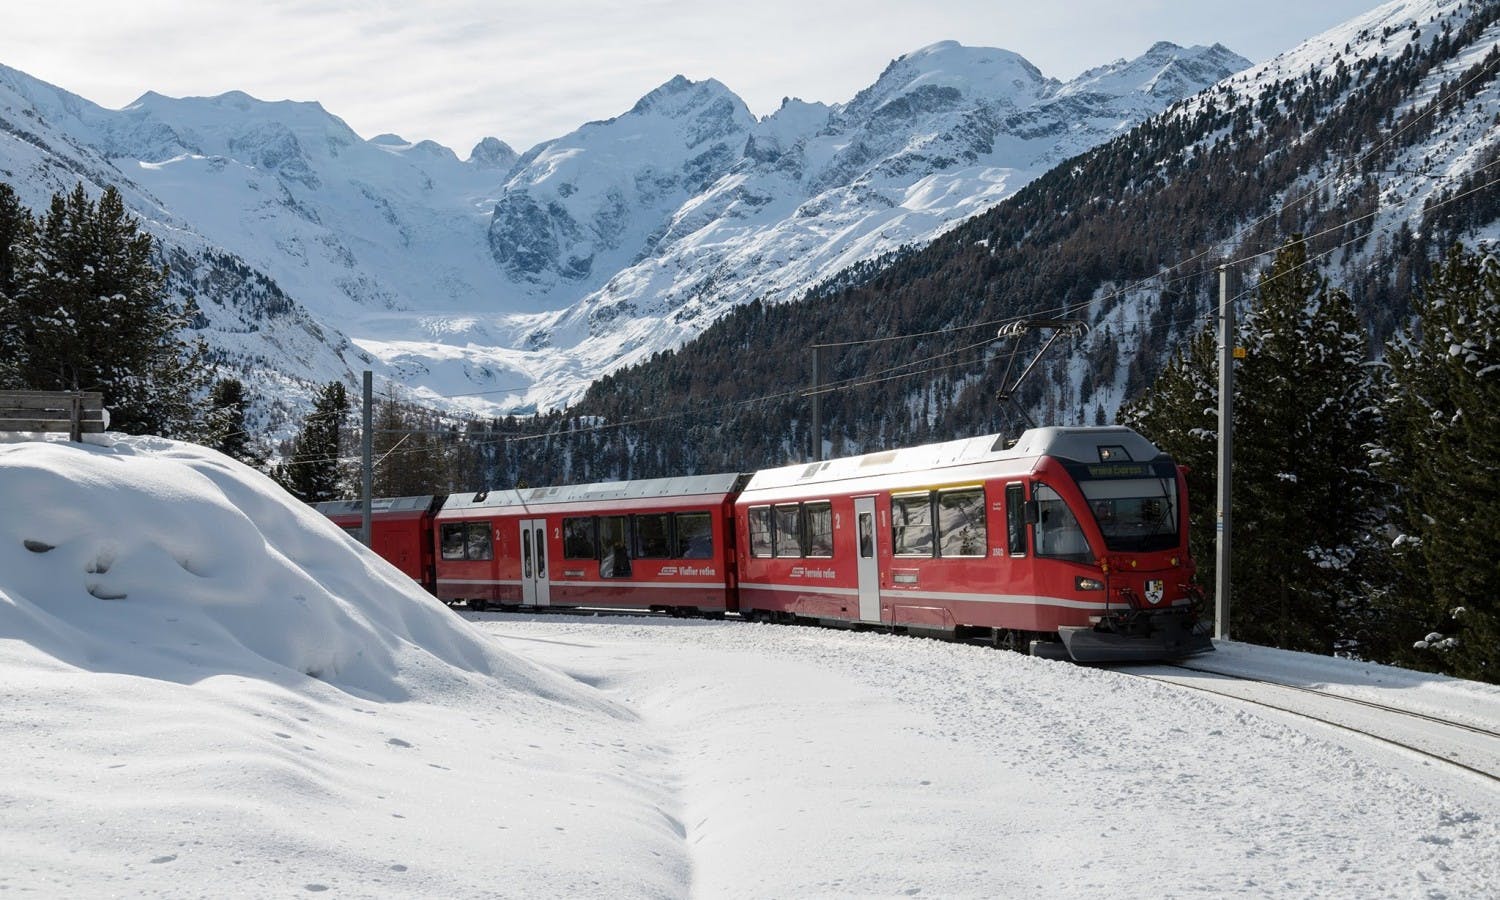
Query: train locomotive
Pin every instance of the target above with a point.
(1068, 543)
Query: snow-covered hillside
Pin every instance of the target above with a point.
(209, 690)
(314, 251)
(1411, 164)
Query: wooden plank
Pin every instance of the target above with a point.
(94, 427)
(87, 395)
(47, 403)
(38, 425)
(65, 415)
(39, 411)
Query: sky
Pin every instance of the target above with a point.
(208, 688)
(455, 71)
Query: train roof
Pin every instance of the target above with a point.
(412, 505)
(638, 489)
(1086, 444)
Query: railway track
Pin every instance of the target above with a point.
(1472, 748)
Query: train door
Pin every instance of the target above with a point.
(869, 559)
(536, 583)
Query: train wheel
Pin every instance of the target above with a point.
(1005, 639)
(478, 605)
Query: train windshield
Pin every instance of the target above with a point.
(1135, 504)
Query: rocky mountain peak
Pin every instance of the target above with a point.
(680, 96)
(492, 153)
(950, 72)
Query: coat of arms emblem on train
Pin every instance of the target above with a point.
(1155, 587)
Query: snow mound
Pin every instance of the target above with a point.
(149, 557)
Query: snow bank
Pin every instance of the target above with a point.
(206, 689)
(150, 557)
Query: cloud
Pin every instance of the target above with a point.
(458, 70)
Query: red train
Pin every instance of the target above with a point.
(1070, 542)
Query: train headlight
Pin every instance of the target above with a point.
(1088, 584)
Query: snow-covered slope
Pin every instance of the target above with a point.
(1393, 190)
(540, 272)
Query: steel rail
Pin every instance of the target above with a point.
(1323, 721)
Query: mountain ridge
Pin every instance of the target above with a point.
(587, 252)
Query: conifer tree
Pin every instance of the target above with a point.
(1444, 457)
(311, 474)
(1305, 497)
(409, 456)
(1306, 500)
(225, 427)
(89, 311)
(16, 231)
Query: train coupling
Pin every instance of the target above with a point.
(1137, 636)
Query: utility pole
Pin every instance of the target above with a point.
(817, 405)
(368, 466)
(1222, 533)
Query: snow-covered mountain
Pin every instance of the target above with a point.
(770, 208)
(1376, 141)
(315, 252)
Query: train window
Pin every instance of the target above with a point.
(1058, 534)
(866, 536)
(653, 536)
(961, 530)
(453, 541)
(478, 540)
(614, 538)
(580, 539)
(819, 520)
(760, 531)
(787, 530)
(911, 524)
(1015, 519)
(1134, 514)
(467, 540)
(695, 536)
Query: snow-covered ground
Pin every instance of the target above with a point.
(210, 691)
